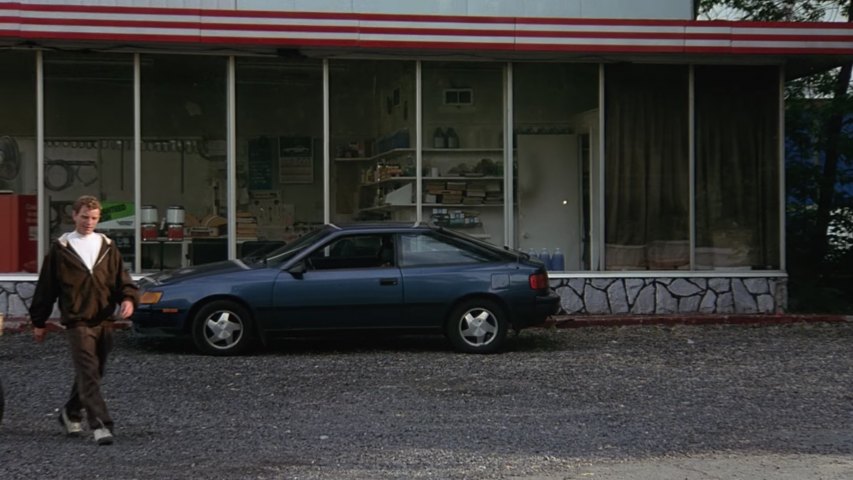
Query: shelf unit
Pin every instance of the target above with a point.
(372, 187)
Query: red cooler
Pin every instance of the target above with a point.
(19, 242)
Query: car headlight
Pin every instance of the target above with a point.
(150, 298)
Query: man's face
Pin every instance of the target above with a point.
(85, 220)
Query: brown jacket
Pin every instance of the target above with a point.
(84, 297)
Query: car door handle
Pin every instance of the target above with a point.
(387, 281)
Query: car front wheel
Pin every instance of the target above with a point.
(222, 328)
(477, 326)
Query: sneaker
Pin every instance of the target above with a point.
(103, 436)
(72, 428)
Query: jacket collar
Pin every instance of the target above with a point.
(63, 239)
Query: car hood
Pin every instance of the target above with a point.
(195, 272)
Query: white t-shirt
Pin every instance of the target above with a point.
(87, 246)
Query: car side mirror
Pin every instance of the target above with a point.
(297, 270)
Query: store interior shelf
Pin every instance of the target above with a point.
(389, 180)
(460, 206)
(381, 156)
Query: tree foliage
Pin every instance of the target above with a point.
(772, 10)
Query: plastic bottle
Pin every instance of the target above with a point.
(439, 139)
(452, 138)
(558, 261)
(545, 257)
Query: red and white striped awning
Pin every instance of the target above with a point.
(46, 22)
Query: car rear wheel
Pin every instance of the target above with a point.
(477, 326)
(222, 328)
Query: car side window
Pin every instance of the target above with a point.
(354, 251)
(417, 250)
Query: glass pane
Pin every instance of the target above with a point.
(463, 155)
(646, 168)
(556, 114)
(355, 251)
(426, 250)
(18, 204)
(372, 105)
(279, 150)
(88, 122)
(737, 168)
(183, 160)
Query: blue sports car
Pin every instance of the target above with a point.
(392, 277)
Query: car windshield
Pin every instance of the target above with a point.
(288, 251)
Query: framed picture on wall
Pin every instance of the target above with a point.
(295, 160)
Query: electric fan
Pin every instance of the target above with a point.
(10, 160)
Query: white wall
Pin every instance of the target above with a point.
(628, 9)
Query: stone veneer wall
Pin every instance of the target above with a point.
(595, 296)
(720, 295)
(15, 299)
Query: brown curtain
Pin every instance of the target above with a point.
(737, 167)
(646, 167)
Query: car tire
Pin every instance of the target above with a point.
(477, 326)
(222, 328)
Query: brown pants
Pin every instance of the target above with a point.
(89, 349)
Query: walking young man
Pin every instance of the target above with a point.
(84, 271)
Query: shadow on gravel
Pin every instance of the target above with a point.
(528, 340)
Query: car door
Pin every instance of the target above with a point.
(350, 282)
(437, 272)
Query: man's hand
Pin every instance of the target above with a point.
(126, 309)
(39, 334)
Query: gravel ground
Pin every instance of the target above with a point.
(714, 401)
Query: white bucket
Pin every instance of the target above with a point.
(149, 214)
(175, 215)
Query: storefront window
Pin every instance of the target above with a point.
(372, 117)
(279, 151)
(18, 204)
(463, 154)
(88, 123)
(737, 168)
(647, 208)
(184, 172)
(556, 115)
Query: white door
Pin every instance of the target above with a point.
(549, 196)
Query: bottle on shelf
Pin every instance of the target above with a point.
(558, 261)
(452, 138)
(545, 257)
(439, 139)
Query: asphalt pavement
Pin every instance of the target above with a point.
(679, 401)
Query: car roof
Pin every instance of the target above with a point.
(384, 226)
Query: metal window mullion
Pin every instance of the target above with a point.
(231, 160)
(597, 253)
(137, 162)
(419, 153)
(327, 200)
(509, 220)
(40, 193)
(781, 174)
(691, 155)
